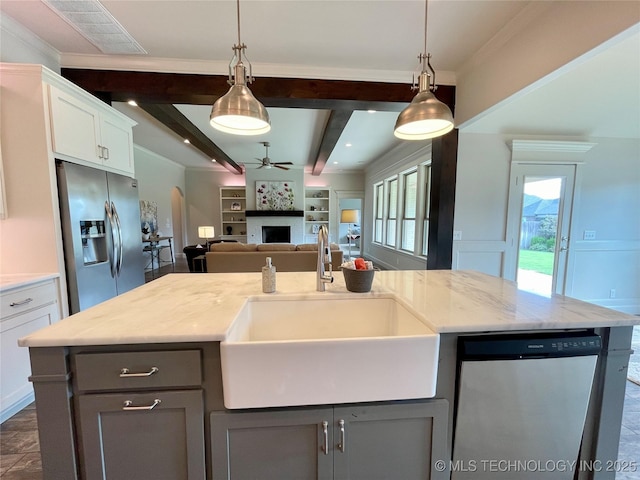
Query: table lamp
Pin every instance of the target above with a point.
(349, 217)
(206, 232)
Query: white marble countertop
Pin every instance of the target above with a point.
(12, 281)
(201, 307)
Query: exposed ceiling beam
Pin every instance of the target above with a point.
(152, 87)
(156, 92)
(338, 120)
(176, 121)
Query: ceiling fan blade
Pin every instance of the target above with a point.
(261, 166)
(278, 166)
(284, 163)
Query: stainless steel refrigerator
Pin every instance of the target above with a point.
(100, 213)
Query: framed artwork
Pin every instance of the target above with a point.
(274, 195)
(236, 206)
(148, 216)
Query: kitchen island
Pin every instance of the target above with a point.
(176, 323)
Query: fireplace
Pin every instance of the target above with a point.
(276, 234)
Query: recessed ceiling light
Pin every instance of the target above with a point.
(347, 145)
(371, 111)
(186, 140)
(133, 103)
(335, 163)
(213, 160)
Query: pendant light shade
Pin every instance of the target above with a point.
(238, 112)
(426, 116)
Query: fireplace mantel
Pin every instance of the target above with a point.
(274, 213)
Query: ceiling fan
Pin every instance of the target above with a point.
(266, 161)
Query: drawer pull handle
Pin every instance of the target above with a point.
(343, 440)
(21, 302)
(124, 373)
(128, 405)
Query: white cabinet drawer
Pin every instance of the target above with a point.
(28, 298)
(14, 364)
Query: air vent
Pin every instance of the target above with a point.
(94, 22)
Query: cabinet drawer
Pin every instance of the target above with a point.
(137, 370)
(28, 298)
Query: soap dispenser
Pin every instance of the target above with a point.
(268, 277)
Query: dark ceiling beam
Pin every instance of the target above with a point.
(176, 121)
(342, 97)
(338, 120)
(152, 87)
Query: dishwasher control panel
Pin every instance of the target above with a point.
(529, 346)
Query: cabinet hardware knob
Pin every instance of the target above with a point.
(342, 445)
(21, 302)
(325, 433)
(124, 373)
(128, 405)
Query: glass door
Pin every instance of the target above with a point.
(540, 203)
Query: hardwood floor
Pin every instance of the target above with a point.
(180, 266)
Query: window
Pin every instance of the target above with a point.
(409, 207)
(378, 210)
(427, 208)
(392, 212)
(401, 209)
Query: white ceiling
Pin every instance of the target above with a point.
(355, 40)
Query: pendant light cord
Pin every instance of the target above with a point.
(238, 16)
(426, 9)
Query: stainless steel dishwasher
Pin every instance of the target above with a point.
(521, 405)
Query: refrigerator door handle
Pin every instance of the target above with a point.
(120, 246)
(112, 257)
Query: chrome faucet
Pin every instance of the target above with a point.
(324, 259)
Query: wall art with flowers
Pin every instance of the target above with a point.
(274, 195)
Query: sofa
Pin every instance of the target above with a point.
(251, 257)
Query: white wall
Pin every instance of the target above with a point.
(157, 176)
(19, 45)
(203, 196)
(610, 205)
(607, 200)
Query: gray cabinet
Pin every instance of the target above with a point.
(368, 442)
(146, 436)
(272, 445)
(140, 415)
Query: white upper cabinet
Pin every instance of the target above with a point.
(90, 132)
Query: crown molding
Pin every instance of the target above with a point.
(549, 151)
(217, 67)
(11, 27)
(550, 146)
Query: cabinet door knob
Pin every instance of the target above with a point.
(124, 373)
(128, 405)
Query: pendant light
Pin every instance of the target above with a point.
(238, 112)
(426, 116)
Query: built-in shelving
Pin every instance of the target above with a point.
(317, 211)
(233, 214)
